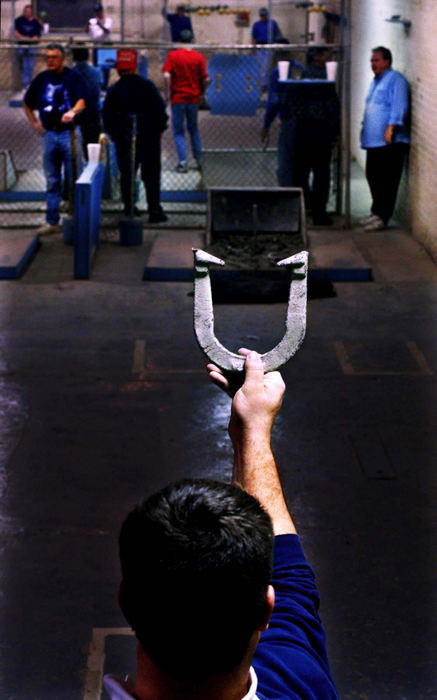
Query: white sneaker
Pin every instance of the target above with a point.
(368, 220)
(376, 225)
(47, 229)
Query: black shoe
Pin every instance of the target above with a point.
(136, 212)
(157, 217)
(322, 220)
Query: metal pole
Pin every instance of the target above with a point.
(73, 171)
(346, 43)
(122, 15)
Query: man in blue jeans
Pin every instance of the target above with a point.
(27, 30)
(214, 580)
(58, 94)
(186, 79)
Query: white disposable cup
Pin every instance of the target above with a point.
(331, 70)
(283, 69)
(93, 152)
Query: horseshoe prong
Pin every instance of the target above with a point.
(295, 325)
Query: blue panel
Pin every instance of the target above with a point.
(234, 84)
(16, 267)
(106, 58)
(21, 196)
(183, 196)
(88, 195)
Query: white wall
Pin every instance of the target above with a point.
(423, 156)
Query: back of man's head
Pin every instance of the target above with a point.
(196, 562)
(80, 54)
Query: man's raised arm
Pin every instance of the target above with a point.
(254, 409)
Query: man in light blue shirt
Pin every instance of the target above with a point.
(385, 136)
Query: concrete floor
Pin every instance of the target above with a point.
(104, 399)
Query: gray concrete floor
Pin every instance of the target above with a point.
(104, 399)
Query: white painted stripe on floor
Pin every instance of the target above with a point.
(419, 357)
(96, 660)
(139, 360)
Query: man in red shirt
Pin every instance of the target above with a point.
(186, 78)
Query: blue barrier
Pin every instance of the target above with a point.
(88, 195)
(234, 84)
(106, 58)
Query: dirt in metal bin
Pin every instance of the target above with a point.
(257, 251)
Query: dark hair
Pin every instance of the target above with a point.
(386, 53)
(55, 47)
(316, 51)
(80, 54)
(196, 560)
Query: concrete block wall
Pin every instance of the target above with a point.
(422, 203)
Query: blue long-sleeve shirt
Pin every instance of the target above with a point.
(260, 31)
(291, 660)
(387, 102)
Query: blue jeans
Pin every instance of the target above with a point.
(56, 153)
(26, 59)
(179, 113)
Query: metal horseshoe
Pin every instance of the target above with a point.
(295, 324)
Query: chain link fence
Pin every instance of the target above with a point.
(231, 118)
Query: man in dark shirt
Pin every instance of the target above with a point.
(90, 119)
(213, 618)
(178, 22)
(27, 29)
(309, 111)
(58, 94)
(134, 96)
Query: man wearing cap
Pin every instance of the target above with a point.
(265, 31)
(59, 95)
(186, 79)
(178, 22)
(133, 96)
